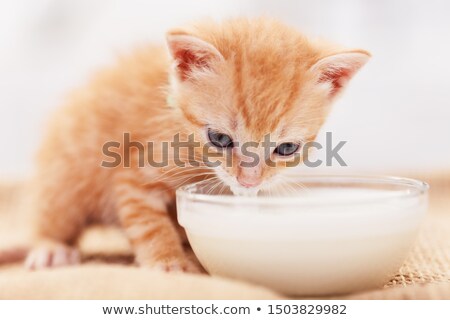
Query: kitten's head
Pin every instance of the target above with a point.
(242, 80)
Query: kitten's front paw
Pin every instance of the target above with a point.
(176, 265)
(49, 256)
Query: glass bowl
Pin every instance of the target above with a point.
(327, 235)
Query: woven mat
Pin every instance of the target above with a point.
(429, 260)
(424, 275)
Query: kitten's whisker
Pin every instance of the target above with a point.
(296, 183)
(168, 180)
(213, 187)
(220, 184)
(183, 182)
(223, 188)
(184, 171)
(176, 179)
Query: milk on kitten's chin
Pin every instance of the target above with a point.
(235, 187)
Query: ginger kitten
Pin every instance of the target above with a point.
(224, 83)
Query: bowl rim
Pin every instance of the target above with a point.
(415, 188)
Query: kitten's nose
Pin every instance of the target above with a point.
(249, 177)
(248, 183)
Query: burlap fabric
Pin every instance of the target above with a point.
(108, 263)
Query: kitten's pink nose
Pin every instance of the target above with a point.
(249, 176)
(249, 181)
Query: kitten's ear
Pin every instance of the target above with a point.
(338, 69)
(191, 53)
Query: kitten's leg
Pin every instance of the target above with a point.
(144, 216)
(59, 219)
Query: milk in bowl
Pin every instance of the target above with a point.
(327, 235)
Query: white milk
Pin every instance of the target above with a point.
(354, 239)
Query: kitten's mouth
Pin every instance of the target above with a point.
(253, 183)
(235, 187)
(244, 191)
(239, 189)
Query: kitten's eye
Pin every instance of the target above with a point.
(220, 140)
(287, 148)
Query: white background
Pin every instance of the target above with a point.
(395, 115)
